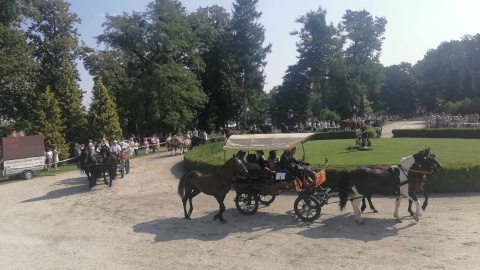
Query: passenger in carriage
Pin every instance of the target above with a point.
(252, 163)
(272, 161)
(241, 155)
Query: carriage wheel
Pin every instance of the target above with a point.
(247, 203)
(307, 208)
(266, 199)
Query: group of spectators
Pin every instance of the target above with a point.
(448, 120)
(287, 162)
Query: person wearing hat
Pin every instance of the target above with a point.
(103, 144)
(115, 149)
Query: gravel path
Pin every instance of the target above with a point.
(387, 129)
(57, 223)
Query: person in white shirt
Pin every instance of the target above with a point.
(205, 136)
(195, 133)
(115, 149)
(104, 143)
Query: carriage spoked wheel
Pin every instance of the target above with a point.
(266, 199)
(246, 202)
(307, 207)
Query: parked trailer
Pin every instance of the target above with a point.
(262, 187)
(23, 156)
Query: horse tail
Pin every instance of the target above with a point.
(181, 185)
(343, 190)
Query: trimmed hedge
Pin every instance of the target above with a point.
(344, 134)
(453, 133)
(461, 178)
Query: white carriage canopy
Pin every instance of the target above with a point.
(277, 141)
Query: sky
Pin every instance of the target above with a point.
(413, 28)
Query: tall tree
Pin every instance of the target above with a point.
(365, 36)
(399, 93)
(103, 115)
(164, 63)
(18, 72)
(53, 34)
(318, 47)
(49, 122)
(248, 49)
(212, 27)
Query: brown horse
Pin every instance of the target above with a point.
(217, 184)
(420, 182)
(187, 143)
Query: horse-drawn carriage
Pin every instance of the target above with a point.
(123, 162)
(261, 186)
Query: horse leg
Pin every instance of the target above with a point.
(356, 206)
(369, 198)
(194, 192)
(185, 198)
(410, 208)
(425, 203)
(364, 205)
(220, 199)
(397, 205)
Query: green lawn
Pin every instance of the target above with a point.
(449, 152)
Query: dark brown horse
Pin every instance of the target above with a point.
(399, 181)
(216, 184)
(420, 182)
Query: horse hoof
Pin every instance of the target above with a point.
(361, 222)
(188, 218)
(398, 220)
(375, 211)
(412, 214)
(110, 184)
(215, 217)
(223, 221)
(416, 219)
(424, 207)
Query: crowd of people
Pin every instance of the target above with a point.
(448, 120)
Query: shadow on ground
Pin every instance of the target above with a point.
(74, 186)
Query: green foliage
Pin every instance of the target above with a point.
(161, 63)
(246, 47)
(460, 133)
(326, 114)
(53, 34)
(334, 135)
(50, 123)
(204, 158)
(463, 107)
(103, 114)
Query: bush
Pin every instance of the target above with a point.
(457, 133)
(327, 114)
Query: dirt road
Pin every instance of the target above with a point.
(409, 124)
(57, 223)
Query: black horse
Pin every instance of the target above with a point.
(420, 182)
(109, 165)
(398, 180)
(217, 184)
(91, 167)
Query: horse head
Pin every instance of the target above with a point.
(427, 161)
(237, 166)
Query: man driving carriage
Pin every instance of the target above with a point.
(289, 162)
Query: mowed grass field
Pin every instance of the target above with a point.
(449, 152)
